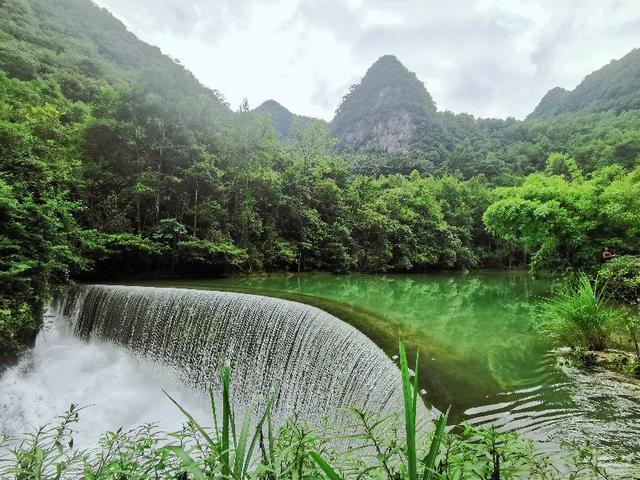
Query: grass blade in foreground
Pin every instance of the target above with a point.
(430, 460)
(410, 401)
(191, 420)
(188, 463)
(325, 467)
(225, 378)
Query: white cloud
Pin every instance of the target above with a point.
(486, 57)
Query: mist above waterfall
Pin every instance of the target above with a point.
(118, 388)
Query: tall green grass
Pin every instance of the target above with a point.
(233, 452)
(580, 315)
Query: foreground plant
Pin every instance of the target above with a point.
(413, 464)
(464, 452)
(232, 452)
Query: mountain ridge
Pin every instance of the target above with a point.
(283, 120)
(83, 47)
(615, 86)
(385, 110)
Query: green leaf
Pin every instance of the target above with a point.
(438, 435)
(188, 463)
(192, 420)
(325, 467)
(410, 402)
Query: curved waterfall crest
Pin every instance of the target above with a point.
(312, 362)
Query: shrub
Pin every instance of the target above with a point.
(622, 275)
(579, 315)
(18, 327)
(634, 368)
(631, 326)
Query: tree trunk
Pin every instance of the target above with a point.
(195, 213)
(160, 156)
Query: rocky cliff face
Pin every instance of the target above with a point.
(385, 111)
(394, 133)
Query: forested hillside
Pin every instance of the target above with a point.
(80, 45)
(615, 87)
(284, 122)
(117, 162)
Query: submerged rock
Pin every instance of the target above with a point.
(619, 361)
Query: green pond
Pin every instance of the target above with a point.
(479, 351)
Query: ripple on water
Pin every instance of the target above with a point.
(597, 406)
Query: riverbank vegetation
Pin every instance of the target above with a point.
(598, 318)
(580, 315)
(564, 220)
(244, 447)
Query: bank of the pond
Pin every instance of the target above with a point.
(621, 362)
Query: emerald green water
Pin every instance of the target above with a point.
(480, 352)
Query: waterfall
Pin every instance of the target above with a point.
(309, 361)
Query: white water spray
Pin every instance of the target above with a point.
(310, 361)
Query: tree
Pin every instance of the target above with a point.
(40, 240)
(567, 222)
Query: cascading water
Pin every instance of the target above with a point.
(310, 361)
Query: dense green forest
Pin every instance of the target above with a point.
(116, 162)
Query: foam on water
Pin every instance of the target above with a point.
(116, 347)
(119, 389)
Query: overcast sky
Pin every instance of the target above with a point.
(486, 57)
